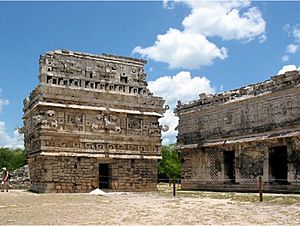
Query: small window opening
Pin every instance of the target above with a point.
(124, 79)
(49, 79)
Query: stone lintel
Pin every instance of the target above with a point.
(187, 146)
(68, 154)
(75, 106)
(258, 138)
(103, 57)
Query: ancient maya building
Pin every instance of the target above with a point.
(229, 139)
(92, 122)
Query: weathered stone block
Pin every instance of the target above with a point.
(227, 140)
(90, 116)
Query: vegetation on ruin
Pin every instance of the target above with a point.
(170, 165)
(12, 158)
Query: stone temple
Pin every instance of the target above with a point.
(228, 140)
(92, 123)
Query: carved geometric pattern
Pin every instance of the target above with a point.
(213, 168)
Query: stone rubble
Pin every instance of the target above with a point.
(20, 178)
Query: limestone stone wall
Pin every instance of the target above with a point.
(134, 175)
(63, 174)
(89, 109)
(92, 132)
(244, 111)
(81, 174)
(204, 168)
(207, 166)
(294, 160)
(230, 139)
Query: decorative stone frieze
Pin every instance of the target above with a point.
(89, 117)
(229, 139)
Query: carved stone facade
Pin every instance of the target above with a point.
(227, 140)
(92, 122)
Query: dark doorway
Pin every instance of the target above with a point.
(229, 171)
(278, 164)
(104, 175)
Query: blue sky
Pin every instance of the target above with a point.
(200, 49)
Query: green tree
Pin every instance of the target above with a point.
(170, 165)
(12, 159)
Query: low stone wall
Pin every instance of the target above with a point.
(20, 178)
(81, 174)
(63, 174)
(134, 175)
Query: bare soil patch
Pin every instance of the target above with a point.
(153, 208)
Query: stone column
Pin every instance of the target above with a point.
(266, 170)
(290, 167)
(222, 165)
(237, 163)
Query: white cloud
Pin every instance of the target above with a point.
(296, 32)
(182, 50)
(263, 38)
(190, 47)
(292, 48)
(286, 68)
(224, 19)
(286, 28)
(3, 102)
(15, 141)
(293, 31)
(171, 120)
(168, 4)
(181, 87)
(221, 88)
(285, 58)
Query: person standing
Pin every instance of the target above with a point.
(5, 179)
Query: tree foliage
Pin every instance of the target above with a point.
(170, 165)
(12, 159)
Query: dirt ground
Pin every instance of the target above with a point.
(153, 208)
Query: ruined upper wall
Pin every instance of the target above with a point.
(69, 77)
(269, 107)
(276, 83)
(93, 106)
(97, 72)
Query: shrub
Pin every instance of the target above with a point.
(12, 159)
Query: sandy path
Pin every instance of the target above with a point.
(20, 207)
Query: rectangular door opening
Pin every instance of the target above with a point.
(104, 175)
(229, 168)
(278, 164)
